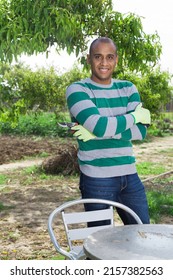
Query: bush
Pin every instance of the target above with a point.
(161, 127)
(46, 124)
(43, 124)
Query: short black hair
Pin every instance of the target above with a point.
(104, 40)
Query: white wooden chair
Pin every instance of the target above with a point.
(77, 234)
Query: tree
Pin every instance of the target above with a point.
(23, 90)
(32, 26)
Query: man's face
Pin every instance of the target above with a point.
(102, 59)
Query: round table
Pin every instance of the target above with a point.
(141, 242)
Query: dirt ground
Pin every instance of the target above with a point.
(27, 202)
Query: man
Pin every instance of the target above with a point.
(109, 115)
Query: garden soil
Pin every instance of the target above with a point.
(28, 203)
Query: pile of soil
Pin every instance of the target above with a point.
(14, 148)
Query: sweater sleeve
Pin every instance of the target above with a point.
(137, 132)
(85, 112)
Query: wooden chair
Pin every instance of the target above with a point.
(76, 234)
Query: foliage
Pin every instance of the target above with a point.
(42, 124)
(25, 91)
(34, 26)
(168, 116)
(35, 88)
(154, 87)
(161, 127)
(31, 124)
(45, 124)
(31, 26)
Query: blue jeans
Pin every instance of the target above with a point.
(127, 190)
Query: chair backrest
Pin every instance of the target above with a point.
(75, 224)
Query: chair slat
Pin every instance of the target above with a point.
(89, 216)
(82, 233)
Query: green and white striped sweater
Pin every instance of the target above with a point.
(104, 111)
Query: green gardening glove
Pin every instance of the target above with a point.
(82, 133)
(141, 115)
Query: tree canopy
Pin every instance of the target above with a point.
(32, 26)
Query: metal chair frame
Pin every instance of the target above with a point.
(73, 218)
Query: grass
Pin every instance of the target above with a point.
(168, 115)
(58, 257)
(3, 179)
(160, 196)
(168, 152)
(35, 175)
(160, 203)
(149, 168)
(4, 207)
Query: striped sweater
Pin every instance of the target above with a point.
(104, 111)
